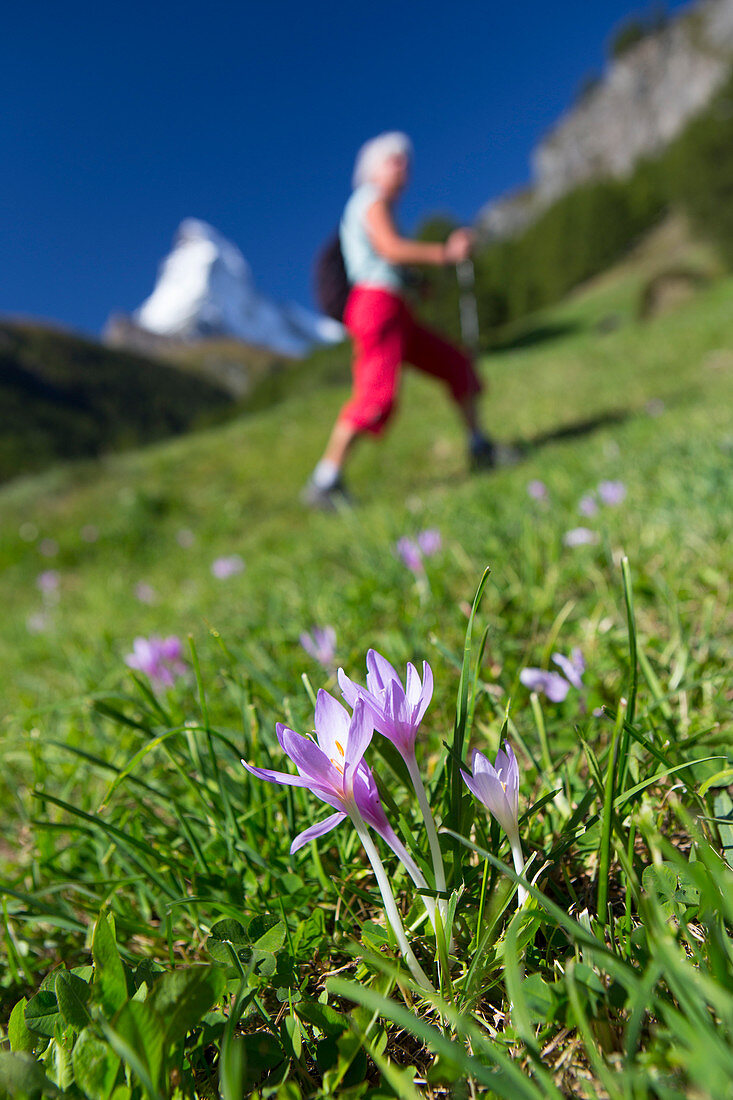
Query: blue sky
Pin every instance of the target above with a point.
(120, 120)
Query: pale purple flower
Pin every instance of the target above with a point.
(333, 768)
(48, 581)
(48, 547)
(320, 644)
(579, 536)
(185, 538)
(551, 684)
(145, 593)
(228, 566)
(411, 555)
(537, 489)
(573, 666)
(588, 505)
(612, 492)
(37, 622)
(496, 786)
(160, 659)
(89, 532)
(397, 710)
(430, 541)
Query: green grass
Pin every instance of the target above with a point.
(117, 799)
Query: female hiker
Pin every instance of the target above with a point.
(385, 332)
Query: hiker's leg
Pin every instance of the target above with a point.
(436, 356)
(378, 323)
(374, 320)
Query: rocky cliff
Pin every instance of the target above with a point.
(642, 103)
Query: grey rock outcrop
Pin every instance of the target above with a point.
(642, 103)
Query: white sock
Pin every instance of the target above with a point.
(326, 474)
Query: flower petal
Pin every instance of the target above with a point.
(361, 731)
(310, 759)
(332, 726)
(277, 777)
(350, 691)
(426, 693)
(314, 831)
(379, 671)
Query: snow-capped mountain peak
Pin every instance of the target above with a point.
(205, 288)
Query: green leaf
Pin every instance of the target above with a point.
(137, 1035)
(327, 1019)
(72, 995)
(723, 807)
(95, 1066)
(109, 974)
(182, 997)
(262, 1052)
(224, 933)
(22, 1076)
(42, 1013)
(539, 997)
(21, 1039)
(271, 940)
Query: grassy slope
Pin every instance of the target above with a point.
(582, 398)
(63, 396)
(236, 486)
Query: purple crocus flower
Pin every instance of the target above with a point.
(329, 767)
(573, 666)
(397, 710)
(37, 622)
(612, 492)
(411, 555)
(551, 684)
(228, 566)
(537, 489)
(430, 541)
(580, 536)
(496, 786)
(334, 770)
(160, 659)
(320, 644)
(47, 581)
(588, 505)
(145, 592)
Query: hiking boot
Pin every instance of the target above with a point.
(488, 455)
(333, 499)
(482, 455)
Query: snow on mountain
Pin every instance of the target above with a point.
(205, 289)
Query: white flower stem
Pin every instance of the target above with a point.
(518, 858)
(433, 841)
(390, 905)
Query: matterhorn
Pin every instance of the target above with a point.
(205, 290)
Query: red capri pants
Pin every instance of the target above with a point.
(386, 335)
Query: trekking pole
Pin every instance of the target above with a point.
(467, 306)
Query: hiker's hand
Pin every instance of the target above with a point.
(458, 246)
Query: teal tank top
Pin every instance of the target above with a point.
(364, 266)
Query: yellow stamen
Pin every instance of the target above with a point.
(339, 747)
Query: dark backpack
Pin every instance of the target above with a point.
(332, 286)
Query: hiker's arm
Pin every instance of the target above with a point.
(399, 250)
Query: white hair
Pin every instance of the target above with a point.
(373, 154)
